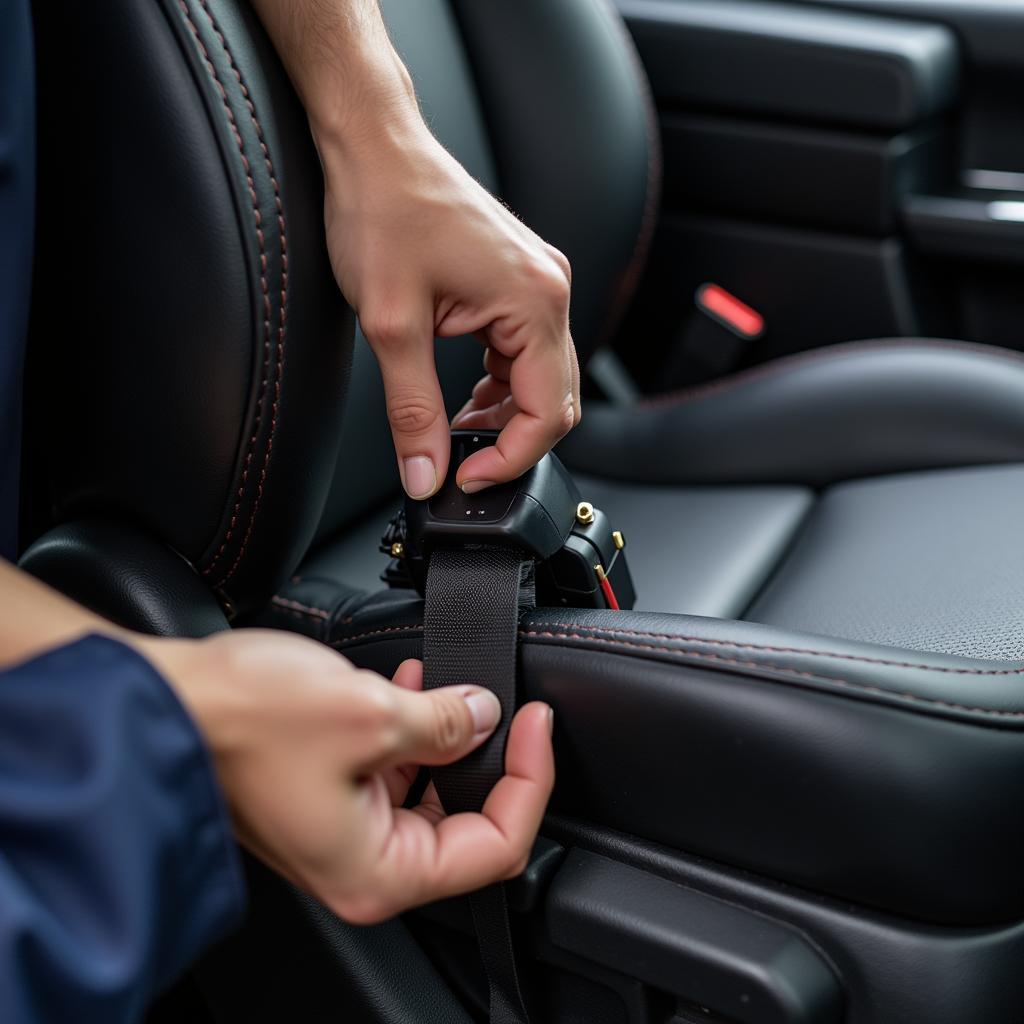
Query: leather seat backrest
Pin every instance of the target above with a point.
(545, 102)
(189, 348)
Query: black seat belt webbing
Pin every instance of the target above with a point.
(469, 637)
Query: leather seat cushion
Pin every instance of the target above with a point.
(930, 561)
(692, 550)
(700, 550)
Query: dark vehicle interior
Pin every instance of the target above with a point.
(790, 781)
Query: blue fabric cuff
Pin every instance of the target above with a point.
(117, 863)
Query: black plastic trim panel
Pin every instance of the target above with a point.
(796, 62)
(992, 31)
(716, 955)
(789, 174)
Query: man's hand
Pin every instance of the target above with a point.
(316, 757)
(421, 250)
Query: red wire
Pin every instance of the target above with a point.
(609, 594)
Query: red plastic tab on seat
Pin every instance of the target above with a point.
(729, 311)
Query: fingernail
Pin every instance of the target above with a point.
(474, 486)
(420, 476)
(551, 719)
(484, 708)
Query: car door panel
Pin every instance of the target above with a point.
(835, 166)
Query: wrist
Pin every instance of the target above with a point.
(189, 669)
(364, 111)
(355, 154)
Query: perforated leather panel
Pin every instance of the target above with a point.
(924, 561)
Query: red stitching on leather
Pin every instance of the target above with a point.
(781, 669)
(785, 364)
(376, 632)
(283, 244)
(738, 663)
(265, 371)
(785, 650)
(302, 609)
(265, 289)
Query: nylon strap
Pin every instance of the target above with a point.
(469, 636)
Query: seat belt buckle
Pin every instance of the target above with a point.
(715, 338)
(590, 570)
(579, 555)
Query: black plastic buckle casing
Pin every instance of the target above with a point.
(535, 514)
(568, 579)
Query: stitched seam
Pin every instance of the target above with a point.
(376, 632)
(785, 650)
(780, 669)
(734, 663)
(282, 300)
(786, 364)
(258, 217)
(302, 609)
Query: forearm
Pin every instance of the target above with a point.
(421, 251)
(35, 618)
(354, 86)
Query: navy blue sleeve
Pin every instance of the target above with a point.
(17, 206)
(117, 865)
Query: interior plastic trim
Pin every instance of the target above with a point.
(795, 62)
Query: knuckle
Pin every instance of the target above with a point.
(566, 418)
(375, 709)
(361, 909)
(448, 726)
(556, 287)
(386, 327)
(519, 864)
(563, 262)
(548, 280)
(412, 414)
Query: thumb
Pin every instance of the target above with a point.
(404, 347)
(443, 725)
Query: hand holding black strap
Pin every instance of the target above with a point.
(469, 636)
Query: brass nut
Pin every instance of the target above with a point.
(584, 513)
(618, 540)
(397, 550)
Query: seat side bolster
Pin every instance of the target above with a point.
(824, 416)
(832, 765)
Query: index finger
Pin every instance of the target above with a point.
(544, 385)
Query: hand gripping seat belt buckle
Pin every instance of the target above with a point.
(480, 560)
(578, 553)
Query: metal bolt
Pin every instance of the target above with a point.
(584, 513)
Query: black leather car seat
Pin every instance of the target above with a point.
(861, 781)
(717, 486)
